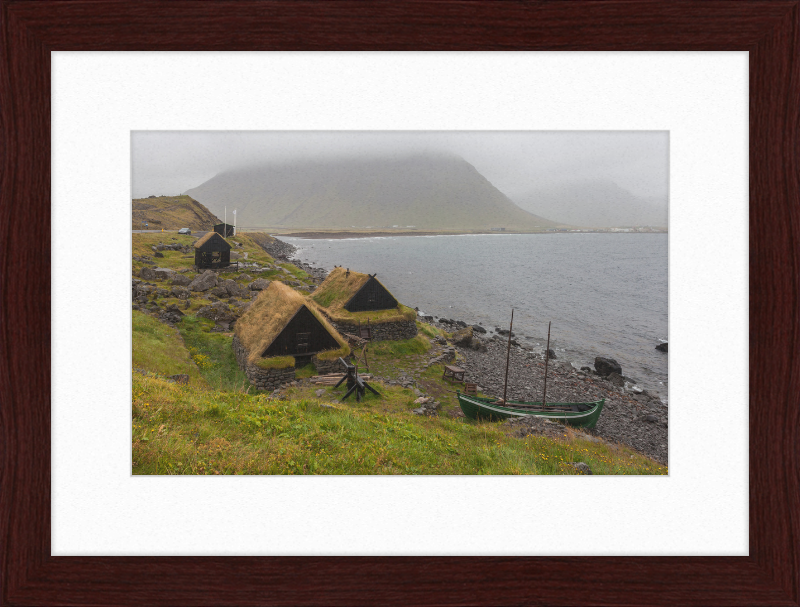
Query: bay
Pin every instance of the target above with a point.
(605, 293)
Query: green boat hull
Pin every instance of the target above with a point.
(481, 408)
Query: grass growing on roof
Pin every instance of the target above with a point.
(337, 289)
(374, 317)
(275, 362)
(268, 315)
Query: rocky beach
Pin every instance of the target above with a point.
(631, 415)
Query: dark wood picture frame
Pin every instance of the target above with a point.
(769, 30)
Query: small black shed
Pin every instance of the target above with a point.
(211, 251)
(224, 229)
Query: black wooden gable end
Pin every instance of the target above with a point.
(224, 229)
(212, 251)
(372, 296)
(303, 334)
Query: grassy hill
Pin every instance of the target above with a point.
(219, 424)
(172, 213)
(426, 191)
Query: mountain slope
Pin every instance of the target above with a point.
(594, 203)
(171, 213)
(423, 191)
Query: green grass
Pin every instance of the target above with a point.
(396, 314)
(295, 271)
(394, 349)
(308, 370)
(430, 331)
(159, 348)
(275, 362)
(218, 364)
(219, 424)
(183, 430)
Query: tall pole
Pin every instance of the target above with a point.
(234, 222)
(508, 355)
(225, 224)
(546, 359)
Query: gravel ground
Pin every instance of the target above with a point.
(639, 421)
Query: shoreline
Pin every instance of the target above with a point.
(639, 421)
(343, 235)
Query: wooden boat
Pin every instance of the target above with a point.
(583, 415)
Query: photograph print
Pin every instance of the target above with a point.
(400, 302)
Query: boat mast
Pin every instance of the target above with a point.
(508, 355)
(546, 359)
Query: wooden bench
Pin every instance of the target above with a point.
(454, 373)
(470, 389)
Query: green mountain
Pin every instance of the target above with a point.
(425, 191)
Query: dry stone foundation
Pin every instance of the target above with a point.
(327, 366)
(403, 329)
(264, 379)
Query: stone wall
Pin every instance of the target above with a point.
(264, 379)
(328, 366)
(403, 329)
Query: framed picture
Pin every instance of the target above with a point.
(31, 575)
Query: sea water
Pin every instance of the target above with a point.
(605, 294)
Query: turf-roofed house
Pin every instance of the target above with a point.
(281, 330)
(352, 300)
(212, 251)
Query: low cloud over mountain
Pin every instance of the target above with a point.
(594, 203)
(427, 191)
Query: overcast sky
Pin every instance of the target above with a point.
(516, 162)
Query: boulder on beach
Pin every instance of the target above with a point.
(551, 354)
(616, 379)
(478, 329)
(462, 337)
(606, 366)
(662, 347)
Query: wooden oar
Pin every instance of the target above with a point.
(546, 359)
(508, 354)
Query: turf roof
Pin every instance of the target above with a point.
(337, 289)
(208, 236)
(269, 314)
